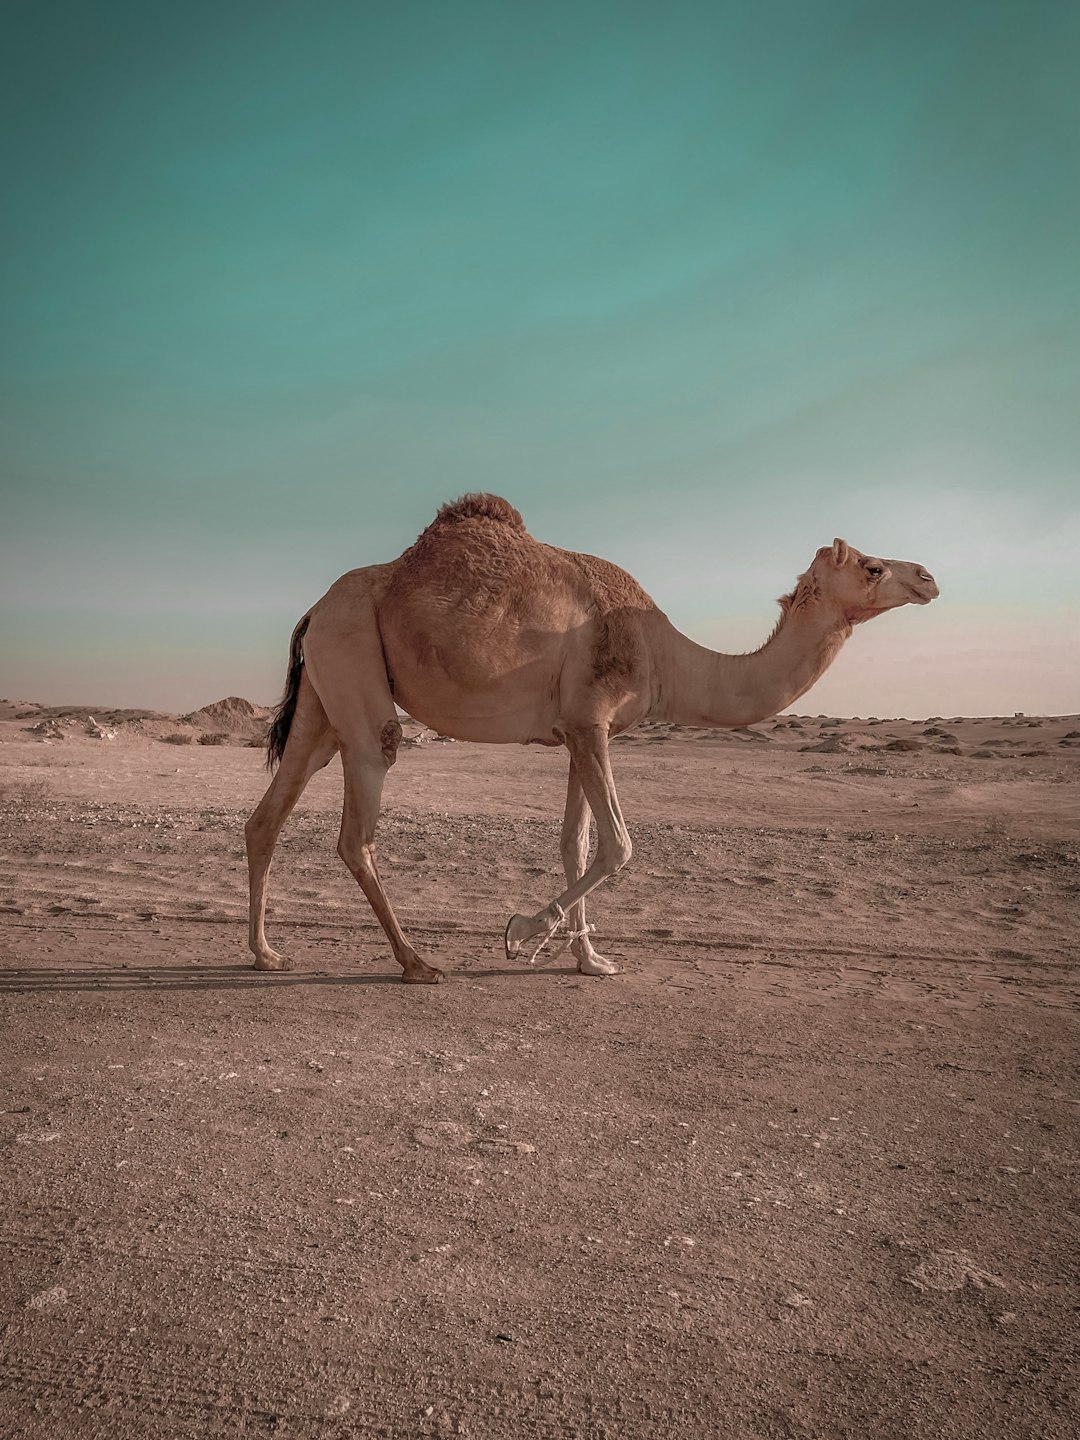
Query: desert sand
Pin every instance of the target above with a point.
(805, 1168)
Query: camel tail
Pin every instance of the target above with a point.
(283, 715)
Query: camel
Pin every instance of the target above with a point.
(483, 633)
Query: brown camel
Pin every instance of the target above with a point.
(484, 633)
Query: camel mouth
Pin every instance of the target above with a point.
(923, 595)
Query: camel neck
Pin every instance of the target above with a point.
(697, 686)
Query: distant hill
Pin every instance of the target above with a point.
(233, 716)
(233, 719)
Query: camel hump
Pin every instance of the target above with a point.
(478, 506)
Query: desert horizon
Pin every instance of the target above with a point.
(233, 707)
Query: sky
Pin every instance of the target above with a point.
(697, 286)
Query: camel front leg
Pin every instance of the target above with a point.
(588, 746)
(365, 767)
(574, 845)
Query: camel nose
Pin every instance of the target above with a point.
(924, 578)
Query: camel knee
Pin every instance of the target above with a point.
(617, 852)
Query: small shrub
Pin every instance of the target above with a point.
(176, 739)
(215, 737)
(24, 792)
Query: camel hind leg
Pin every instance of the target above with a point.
(366, 759)
(348, 669)
(310, 746)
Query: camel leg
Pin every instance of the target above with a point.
(311, 745)
(366, 759)
(574, 845)
(344, 658)
(588, 746)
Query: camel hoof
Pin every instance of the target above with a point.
(597, 965)
(271, 961)
(519, 928)
(422, 974)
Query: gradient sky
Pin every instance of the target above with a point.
(698, 286)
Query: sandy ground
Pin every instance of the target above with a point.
(805, 1168)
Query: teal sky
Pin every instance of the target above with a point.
(697, 286)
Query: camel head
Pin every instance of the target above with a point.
(864, 586)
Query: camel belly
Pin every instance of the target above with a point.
(484, 719)
(514, 709)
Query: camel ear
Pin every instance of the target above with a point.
(840, 552)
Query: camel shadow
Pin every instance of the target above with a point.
(226, 977)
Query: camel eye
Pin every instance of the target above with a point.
(875, 570)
